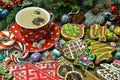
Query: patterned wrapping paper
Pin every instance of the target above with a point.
(27, 71)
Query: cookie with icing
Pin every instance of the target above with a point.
(109, 71)
(101, 33)
(101, 51)
(72, 31)
(71, 47)
(84, 60)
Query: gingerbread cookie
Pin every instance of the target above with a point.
(101, 33)
(84, 60)
(109, 71)
(63, 70)
(74, 75)
(71, 47)
(101, 51)
(63, 61)
(72, 31)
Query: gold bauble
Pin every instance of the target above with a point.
(116, 30)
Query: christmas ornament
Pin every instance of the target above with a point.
(36, 56)
(114, 9)
(66, 18)
(3, 13)
(116, 30)
(117, 55)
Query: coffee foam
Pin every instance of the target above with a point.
(26, 18)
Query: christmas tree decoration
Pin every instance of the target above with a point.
(116, 30)
(3, 13)
(65, 19)
(114, 9)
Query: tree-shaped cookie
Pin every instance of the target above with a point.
(4, 72)
(84, 60)
(72, 31)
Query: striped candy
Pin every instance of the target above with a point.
(10, 42)
(24, 55)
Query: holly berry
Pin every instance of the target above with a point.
(10, 3)
(7, 5)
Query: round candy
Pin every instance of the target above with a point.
(36, 56)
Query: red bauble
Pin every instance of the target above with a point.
(114, 9)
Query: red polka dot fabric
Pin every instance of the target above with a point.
(50, 39)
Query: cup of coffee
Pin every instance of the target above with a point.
(33, 23)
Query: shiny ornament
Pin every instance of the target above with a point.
(117, 55)
(116, 30)
(36, 56)
(65, 18)
(114, 9)
(3, 13)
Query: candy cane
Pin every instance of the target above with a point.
(10, 42)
